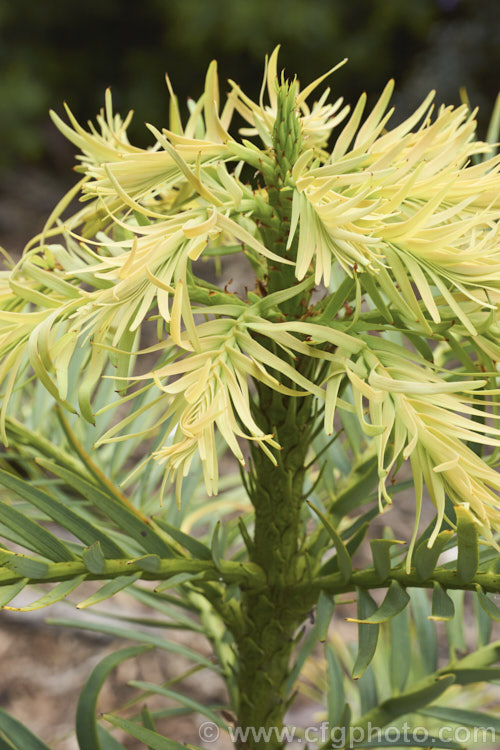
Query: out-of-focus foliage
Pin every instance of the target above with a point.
(52, 51)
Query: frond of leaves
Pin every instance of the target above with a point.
(374, 686)
(432, 418)
(407, 208)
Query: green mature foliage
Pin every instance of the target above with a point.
(369, 343)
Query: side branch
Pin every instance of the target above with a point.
(150, 568)
(370, 579)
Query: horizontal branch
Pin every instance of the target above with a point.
(246, 574)
(225, 571)
(369, 579)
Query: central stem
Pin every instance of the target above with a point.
(273, 615)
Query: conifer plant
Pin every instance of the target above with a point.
(360, 361)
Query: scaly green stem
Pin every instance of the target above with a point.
(271, 617)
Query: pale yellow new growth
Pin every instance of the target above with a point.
(411, 214)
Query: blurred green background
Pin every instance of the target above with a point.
(59, 50)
